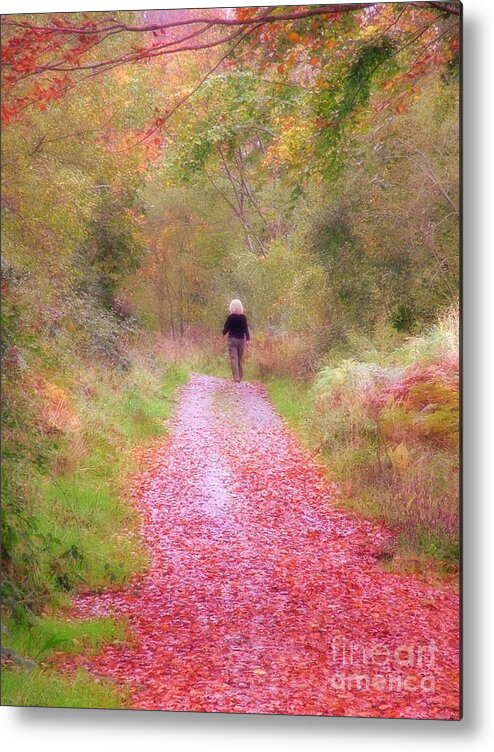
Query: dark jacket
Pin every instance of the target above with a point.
(236, 326)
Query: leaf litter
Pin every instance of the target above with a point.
(261, 596)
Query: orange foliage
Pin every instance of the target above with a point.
(58, 414)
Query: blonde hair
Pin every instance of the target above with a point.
(236, 306)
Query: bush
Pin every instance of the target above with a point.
(390, 425)
(281, 356)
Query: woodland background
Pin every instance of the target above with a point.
(308, 166)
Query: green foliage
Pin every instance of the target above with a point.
(403, 317)
(340, 99)
(112, 251)
(236, 108)
(357, 83)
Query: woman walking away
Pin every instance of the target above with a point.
(238, 336)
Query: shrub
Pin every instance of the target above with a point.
(280, 356)
(390, 425)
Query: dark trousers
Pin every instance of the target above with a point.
(236, 352)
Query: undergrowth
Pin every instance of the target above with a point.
(385, 422)
(68, 523)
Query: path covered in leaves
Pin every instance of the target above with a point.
(261, 596)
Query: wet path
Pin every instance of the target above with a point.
(261, 597)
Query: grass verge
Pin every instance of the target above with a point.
(44, 688)
(369, 494)
(86, 531)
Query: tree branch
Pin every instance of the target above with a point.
(218, 21)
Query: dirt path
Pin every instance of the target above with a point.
(261, 597)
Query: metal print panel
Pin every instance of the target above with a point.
(230, 281)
